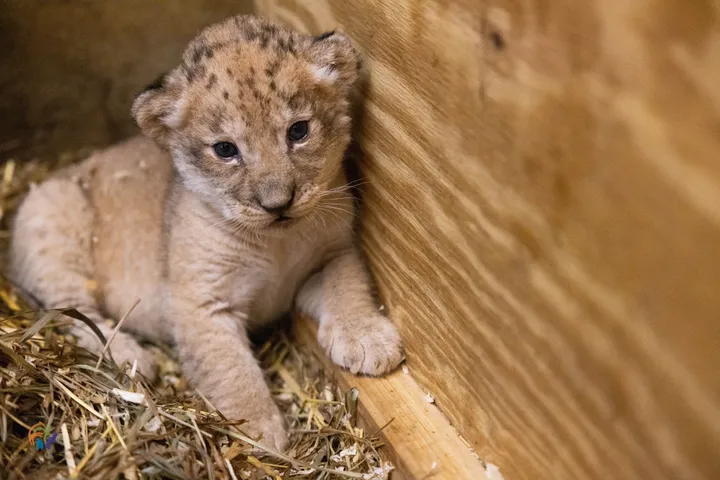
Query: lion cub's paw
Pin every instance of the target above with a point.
(124, 348)
(369, 346)
(270, 426)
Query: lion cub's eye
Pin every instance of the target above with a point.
(298, 131)
(225, 150)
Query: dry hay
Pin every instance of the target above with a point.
(108, 422)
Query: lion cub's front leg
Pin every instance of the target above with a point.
(352, 332)
(217, 359)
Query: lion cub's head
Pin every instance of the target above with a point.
(257, 118)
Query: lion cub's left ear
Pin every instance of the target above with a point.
(334, 59)
(160, 108)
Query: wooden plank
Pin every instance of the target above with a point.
(543, 220)
(420, 442)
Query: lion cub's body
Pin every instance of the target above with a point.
(170, 222)
(127, 187)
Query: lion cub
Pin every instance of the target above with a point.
(231, 210)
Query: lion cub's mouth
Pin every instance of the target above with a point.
(283, 222)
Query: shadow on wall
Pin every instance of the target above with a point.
(69, 69)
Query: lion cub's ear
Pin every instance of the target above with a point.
(160, 108)
(334, 59)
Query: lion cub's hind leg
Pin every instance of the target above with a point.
(51, 258)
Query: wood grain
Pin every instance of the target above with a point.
(419, 440)
(543, 220)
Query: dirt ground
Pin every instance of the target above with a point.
(69, 69)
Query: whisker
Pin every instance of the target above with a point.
(334, 215)
(341, 208)
(349, 185)
(322, 217)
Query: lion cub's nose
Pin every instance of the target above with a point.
(278, 202)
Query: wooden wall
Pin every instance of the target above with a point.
(543, 219)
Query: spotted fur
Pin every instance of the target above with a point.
(164, 219)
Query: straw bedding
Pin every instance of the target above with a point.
(101, 420)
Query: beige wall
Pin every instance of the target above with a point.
(69, 68)
(543, 219)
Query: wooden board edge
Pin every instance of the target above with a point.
(420, 441)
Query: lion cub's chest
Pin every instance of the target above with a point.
(274, 280)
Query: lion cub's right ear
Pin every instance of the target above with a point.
(160, 108)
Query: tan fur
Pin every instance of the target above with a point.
(184, 231)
